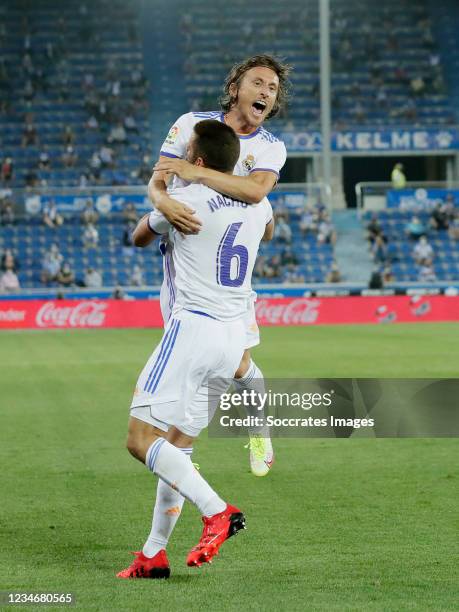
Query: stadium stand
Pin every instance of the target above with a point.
(398, 249)
(296, 258)
(385, 60)
(76, 108)
(60, 65)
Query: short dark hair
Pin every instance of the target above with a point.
(217, 144)
(237, 72)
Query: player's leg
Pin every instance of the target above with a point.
(168, 504)
(162, 457)
(175, 469)
(141, 435)
(249, 377)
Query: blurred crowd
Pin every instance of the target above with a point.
(444, 217)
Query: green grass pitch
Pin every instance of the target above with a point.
(337, 525)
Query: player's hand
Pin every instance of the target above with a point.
(180, 167)
(180, 216)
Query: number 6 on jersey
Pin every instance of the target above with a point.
(231, 256)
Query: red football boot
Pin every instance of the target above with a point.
(146, 567)
(217, 529)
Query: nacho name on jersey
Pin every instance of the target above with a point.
(220, 201)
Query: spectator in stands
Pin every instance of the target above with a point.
(293, 277)
(92, 123)
(326, 232)
(398, 177)
(92, 279)
(87, 82)
(259, 269)
(29, 91)
(379, 250)
(382, 99)
(144, 172)
(136, 279)
(69, 157)
(130, 124)
(117, 135)
(83, 181)
(450, 206)
(374, 229)
(51, 217)
(417, 86)
(51, 265)
(89, 214)
(426, 272)
(118, 293)
(8, 261)
(422, 250)
(388, 275)
(7, 170)
(441, 216)
(288, 259)
(307, 222)
(29, 135)
(415, 228)
(106, 157)
(90, 237)
(95, 167)
(129, 213)
(44, 161)
(376, 281)
(9, 282)
(6, 208)
(273, 267)
(334, 275)
(282, 231)
(65, 277)
(68, 136)
(358, 112)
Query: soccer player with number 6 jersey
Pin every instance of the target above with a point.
(204, 340)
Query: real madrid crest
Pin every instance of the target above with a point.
(249, 162)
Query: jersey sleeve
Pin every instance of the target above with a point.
(272, 159)
(178, 137)
(158, 223)
(269, 211)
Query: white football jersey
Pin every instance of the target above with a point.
(260, 151)
(213, 269)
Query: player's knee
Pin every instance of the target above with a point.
(135, 446)
(244, 365)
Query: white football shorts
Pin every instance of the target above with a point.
(183, 379)
(167, 299)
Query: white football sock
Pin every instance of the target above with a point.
(253, 380)
(176, 469)
(168, 506)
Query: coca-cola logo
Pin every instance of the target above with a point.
(83, 314)
(297, 312)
